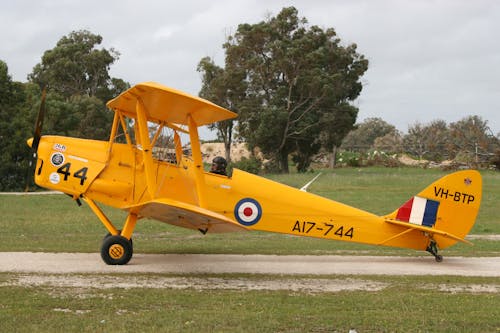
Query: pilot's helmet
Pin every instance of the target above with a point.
(219, 165)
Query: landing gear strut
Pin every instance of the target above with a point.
(433, 249)
(117, 247)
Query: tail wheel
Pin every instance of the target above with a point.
(116, 250)
(432, 248)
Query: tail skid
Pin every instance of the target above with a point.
(444, 212)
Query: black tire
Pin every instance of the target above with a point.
(439, 258)
(116, 250)
(119, 232)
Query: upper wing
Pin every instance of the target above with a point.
(164, 104)
(187, 216)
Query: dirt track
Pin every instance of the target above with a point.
(66, 263)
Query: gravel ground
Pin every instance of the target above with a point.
(65, 263)
(86, 271)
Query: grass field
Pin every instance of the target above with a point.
(405, 304)
(55, 223)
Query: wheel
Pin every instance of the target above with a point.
(116, 250)
(439, 258)
(119, 232)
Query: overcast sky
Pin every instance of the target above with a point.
(428, 59)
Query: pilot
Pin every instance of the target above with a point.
(219, 165)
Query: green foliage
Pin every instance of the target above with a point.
(224, 87)
(381, 158)
(74, 66)
(468, 141)
(292, 78)
(367, 159)
(252, 165)
(96, 119)
(76, 75)
(15, 123)
(363, 137)
(336, 125)
(351, 159)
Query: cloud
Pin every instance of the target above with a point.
(428, 59)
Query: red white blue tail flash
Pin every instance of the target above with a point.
(419, 211)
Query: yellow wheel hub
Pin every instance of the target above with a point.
(116, 251)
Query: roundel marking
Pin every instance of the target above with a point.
(57, 159)
(248, 212)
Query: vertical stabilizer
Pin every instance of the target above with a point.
(449, 205)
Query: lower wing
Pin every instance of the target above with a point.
(186, 215)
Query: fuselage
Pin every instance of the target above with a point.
(114, 174)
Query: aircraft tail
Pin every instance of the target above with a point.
(446, 210)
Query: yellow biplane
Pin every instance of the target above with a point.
(132, 173)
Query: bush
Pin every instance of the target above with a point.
(252, 165)
(380, 158)
(495, 160)
(347, 158)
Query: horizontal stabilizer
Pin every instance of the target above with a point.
(428, 230)
(187, 216)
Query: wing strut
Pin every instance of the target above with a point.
(198, 163)
(147, 152)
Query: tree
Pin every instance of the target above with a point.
(364, 135)
(76, 75)
(74, 66)
(226, 88)
(15, 124)
(336, 125)
(428, 141)
(390, 143)
(472, 140)
(292, 75)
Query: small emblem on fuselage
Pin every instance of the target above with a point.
(59, 147)
(57, 159)
(54, 178)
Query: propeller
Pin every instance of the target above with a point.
(33, 142)
(39, 124)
